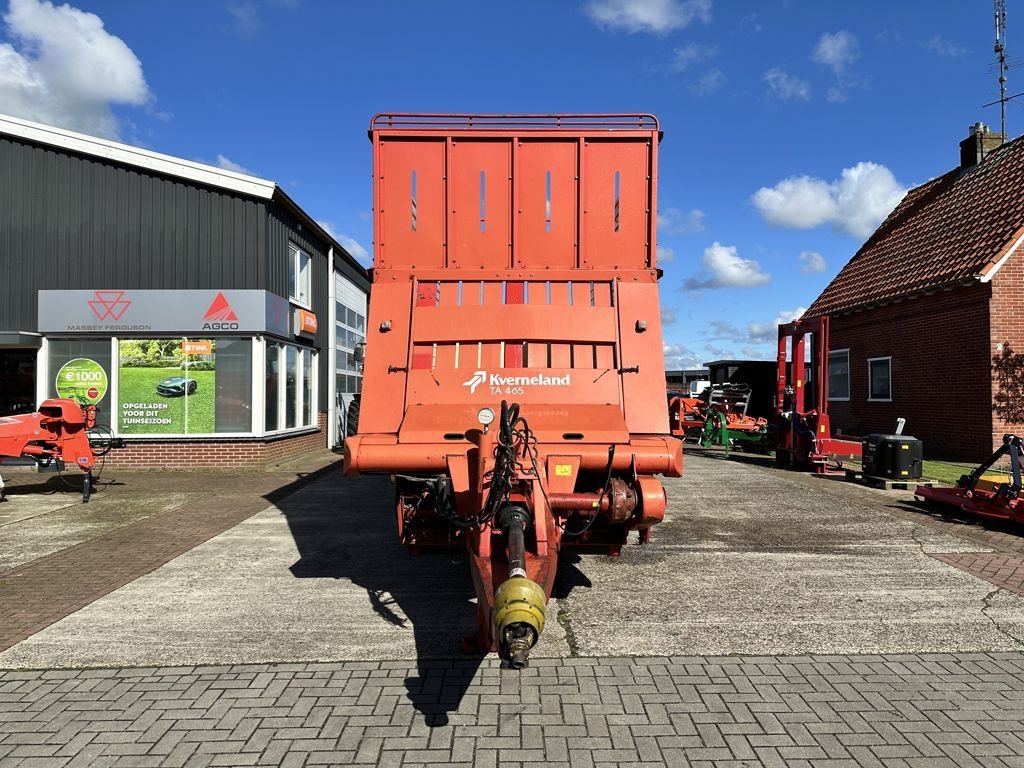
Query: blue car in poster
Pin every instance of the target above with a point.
(176, 386)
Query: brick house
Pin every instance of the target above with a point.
(927, 318)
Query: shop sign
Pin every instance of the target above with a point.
(163, 389)
(305, 322)
(82, 380)
(177, 312)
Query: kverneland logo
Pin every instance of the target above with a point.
(497, 380)
(109, 305)
(220, 309)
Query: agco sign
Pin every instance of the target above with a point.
(171, 311)
(220, 316)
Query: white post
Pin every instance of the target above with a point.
(332, 351)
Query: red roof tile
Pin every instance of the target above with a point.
(952, 228)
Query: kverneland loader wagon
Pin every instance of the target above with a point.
(514, 382)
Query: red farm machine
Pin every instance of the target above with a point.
(513, 374)
(61, 431)
(803, 433)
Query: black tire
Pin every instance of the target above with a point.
(352, 418)
(192, 387)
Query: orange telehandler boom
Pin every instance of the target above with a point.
(514, 377)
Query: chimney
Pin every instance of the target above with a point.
(978, 144)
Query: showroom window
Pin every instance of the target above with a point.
(839, 375)
(184, 386)
(290, 387)
(880, 378)
(299, 276)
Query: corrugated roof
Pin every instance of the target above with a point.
(954, 228)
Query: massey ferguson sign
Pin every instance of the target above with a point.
(176, 312)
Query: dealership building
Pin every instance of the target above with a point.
(210, 318)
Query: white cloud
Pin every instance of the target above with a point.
(708, 83)
(350, 244)
(676, 221)
(812, 262)
(665, 254)
(837, 50)
(692, 53)
(722, 267)
(762, 332)
(655, 16)
(667, 316)
(230, 165)
(943, 47)
(855, 203)
(678, 357)
(63, 68)
(355, 248)
(785, 86)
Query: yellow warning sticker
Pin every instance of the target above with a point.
(563, 470)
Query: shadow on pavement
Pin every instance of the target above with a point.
(344, 528)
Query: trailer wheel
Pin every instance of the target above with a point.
(352, 418)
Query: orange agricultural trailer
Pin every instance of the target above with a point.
(513, 376)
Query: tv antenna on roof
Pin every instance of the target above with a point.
(1000, 50)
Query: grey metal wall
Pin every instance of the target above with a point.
(283, 228)
(70, 221)
(73, 221)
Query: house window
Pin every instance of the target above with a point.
(839, 375)
(298, 275)
(880, 378)
(290, 387)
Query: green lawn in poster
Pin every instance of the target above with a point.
(145, 411)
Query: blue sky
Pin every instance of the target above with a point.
(791, 127)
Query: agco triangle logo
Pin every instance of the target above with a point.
(220, 309)
(109, 305)
(220, 316)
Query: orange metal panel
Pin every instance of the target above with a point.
(643, 391)
(520, 322)
(480, 193)
(411, 219)
(547, 204)
(616, 204)
(389, 307)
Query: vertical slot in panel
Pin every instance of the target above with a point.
(444, 357)
(490, 355)
(616, 197)
(515, 293)
(615, 209)
(605, 355)
(559, 293)
(601, 294)
(413, 199)
(547, 201)
(422, 356)
(493, 294)
(546, 195)
(480, 193)
(412, 203)
(582, 354)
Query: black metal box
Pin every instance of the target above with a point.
(899, 457)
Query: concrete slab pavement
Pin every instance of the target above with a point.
(748, 561)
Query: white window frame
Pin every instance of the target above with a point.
(880, 399)
(282, 395)
(849, 381)
(297, 255)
